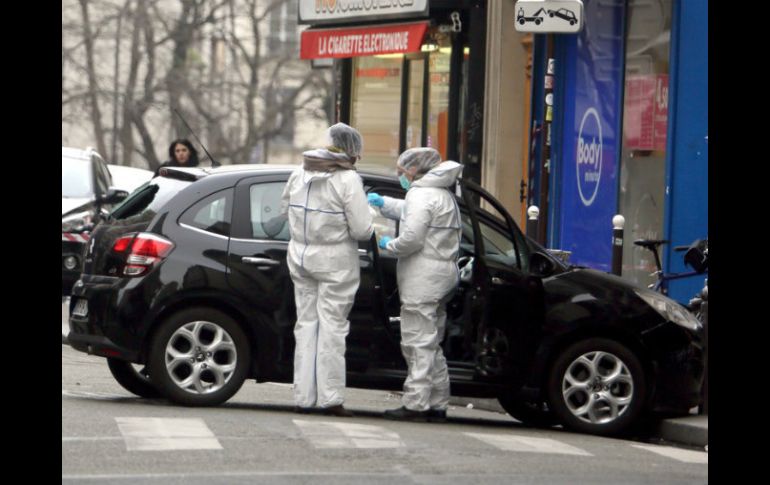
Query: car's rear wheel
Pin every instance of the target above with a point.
(134, 379)
(199, 357)
(597, 386)
(531, 414)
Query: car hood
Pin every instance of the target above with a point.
(583, 293)
(71, 204)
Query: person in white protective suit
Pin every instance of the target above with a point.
(427, 273)
(328, 213)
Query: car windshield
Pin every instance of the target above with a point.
(76, 178)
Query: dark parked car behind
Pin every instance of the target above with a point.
(85, 189)
(188, 278)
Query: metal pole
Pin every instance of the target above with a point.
(545, 165)
(617, 243)
(533, 212)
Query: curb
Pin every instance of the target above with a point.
(689, 430)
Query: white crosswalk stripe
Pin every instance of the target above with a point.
(686, 456)
(332, 434)
(510, 442)
(143, 434)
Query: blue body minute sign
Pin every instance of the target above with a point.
(590, 140)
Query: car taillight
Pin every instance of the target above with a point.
(122, 243)
(143, 251)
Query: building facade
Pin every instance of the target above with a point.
(449, 74)
(628, 134)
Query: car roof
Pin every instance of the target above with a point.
(377, 171)
(78, 153)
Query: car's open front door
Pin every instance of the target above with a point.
(507, 302)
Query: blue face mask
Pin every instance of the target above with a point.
(404, 181)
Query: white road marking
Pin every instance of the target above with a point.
(310, 474)
(142, 434)
(71, 439)
(95, 395)
(332, 434)
(509, 442)
(686, 456)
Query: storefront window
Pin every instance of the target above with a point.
(375, 111)
(645, 122)
(377, 101)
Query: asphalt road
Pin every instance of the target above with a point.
(111, 436)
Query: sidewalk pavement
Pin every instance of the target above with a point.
(690, 430)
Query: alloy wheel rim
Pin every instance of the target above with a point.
(200, 357)
(597, 387)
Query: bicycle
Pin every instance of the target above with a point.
(696, 256)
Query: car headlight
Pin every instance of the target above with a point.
(76, 222)
(670, 310)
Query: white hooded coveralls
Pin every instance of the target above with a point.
(328, 213)
(427, 248)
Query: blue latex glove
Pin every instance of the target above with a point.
(384, 241)
(375, 199)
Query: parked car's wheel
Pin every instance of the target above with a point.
(597, 386)
(199, 357)
(531, 414)
(136, 381)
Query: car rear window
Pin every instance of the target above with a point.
(76, 178)
(145, 202)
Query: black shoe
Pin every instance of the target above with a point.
(437, 415)
(301, 410)
(404, 414)
(339, 411)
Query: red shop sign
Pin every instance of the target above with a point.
(645, 119)
(362, 41)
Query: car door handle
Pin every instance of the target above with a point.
(498, 281)
(260, 261)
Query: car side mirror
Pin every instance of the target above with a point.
(113, 196)
(541, 265)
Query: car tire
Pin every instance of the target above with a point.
(585, 395)
(135, 382)
(199, 357)
(531, 414)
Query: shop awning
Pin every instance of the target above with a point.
(362, 41)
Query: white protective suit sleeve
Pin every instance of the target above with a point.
(417, 216)
(360, 224)
(392, 208)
